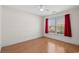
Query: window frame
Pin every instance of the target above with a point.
(56, 18)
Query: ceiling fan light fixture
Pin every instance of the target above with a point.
(41, 9)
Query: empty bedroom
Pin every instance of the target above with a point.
(39, 29)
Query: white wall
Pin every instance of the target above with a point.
(18, 26)
(74, 13)
(0, 24)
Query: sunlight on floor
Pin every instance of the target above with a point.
(55, 48)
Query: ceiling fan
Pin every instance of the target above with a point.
(43, 8)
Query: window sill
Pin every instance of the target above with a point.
(50, 33)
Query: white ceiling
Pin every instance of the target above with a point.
(49, 9)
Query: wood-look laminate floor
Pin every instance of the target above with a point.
(41, 45)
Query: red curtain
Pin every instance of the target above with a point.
(46, 25)
(67, 28)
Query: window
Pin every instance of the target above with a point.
(51, 23)
(56, 25)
